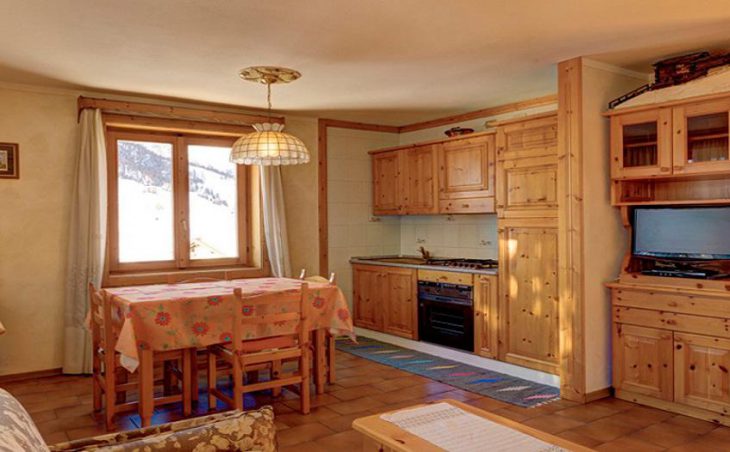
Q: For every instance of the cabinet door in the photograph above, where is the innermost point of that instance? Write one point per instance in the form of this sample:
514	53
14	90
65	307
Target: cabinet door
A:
420	187
485	316
528	187
642	361
527	167
702	372
701	138
466	168
386	176
399	297
641	144
367	297
528	287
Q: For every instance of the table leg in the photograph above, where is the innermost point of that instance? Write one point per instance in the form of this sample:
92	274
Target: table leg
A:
194	373
146	386
320	360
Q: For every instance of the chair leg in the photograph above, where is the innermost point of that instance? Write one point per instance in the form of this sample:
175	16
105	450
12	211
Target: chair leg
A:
237	385
275	375
212	376
331	359
194	383
304	393
122	377
186	383
110	396
169	380
96	372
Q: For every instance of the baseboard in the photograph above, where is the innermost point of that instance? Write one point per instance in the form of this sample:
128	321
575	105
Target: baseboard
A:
463	357
30	375
599	394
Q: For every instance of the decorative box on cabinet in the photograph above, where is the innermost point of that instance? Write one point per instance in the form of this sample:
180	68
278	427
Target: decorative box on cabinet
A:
385	299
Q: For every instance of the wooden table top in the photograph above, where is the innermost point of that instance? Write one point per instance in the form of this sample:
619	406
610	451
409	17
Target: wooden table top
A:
397	439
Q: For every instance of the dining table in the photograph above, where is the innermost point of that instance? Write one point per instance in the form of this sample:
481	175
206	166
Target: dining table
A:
189	316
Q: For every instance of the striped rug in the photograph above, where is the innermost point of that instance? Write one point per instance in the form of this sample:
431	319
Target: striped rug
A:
506	388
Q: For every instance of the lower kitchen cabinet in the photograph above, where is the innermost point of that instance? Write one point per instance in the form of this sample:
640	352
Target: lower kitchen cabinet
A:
485	316
385	299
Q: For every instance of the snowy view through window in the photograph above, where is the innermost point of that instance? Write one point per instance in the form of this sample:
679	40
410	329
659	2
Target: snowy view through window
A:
146	202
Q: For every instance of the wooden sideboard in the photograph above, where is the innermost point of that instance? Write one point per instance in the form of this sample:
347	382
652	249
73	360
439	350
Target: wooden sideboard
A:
450	176
671	345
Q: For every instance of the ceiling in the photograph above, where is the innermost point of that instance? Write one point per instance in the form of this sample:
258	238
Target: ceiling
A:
383	61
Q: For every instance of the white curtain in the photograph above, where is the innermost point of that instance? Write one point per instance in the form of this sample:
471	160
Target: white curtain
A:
86	241
275	221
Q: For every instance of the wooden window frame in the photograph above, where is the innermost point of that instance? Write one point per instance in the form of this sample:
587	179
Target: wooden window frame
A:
181	261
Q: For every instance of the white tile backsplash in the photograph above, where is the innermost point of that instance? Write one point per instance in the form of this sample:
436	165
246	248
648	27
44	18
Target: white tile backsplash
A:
469	236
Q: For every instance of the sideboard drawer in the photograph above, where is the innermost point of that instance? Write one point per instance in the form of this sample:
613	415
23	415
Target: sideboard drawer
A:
671	301
710	326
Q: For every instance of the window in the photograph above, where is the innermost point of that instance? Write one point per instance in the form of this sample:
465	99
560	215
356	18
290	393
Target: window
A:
175	202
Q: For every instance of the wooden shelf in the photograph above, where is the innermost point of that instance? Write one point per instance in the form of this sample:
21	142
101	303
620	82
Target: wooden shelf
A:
674	202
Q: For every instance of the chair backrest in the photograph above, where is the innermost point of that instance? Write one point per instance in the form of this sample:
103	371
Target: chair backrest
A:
317	279
297	316
103	323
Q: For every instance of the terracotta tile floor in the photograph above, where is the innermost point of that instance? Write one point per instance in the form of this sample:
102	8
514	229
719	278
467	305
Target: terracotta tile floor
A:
61	406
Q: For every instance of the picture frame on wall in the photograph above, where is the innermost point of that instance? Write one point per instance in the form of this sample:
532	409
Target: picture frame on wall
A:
9	163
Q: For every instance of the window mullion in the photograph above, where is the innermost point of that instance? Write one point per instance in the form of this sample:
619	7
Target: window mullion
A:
182	215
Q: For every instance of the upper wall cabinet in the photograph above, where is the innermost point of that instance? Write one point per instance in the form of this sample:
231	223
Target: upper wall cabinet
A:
701	137
452	176
466	175
641	144
527	168
387	196
671	153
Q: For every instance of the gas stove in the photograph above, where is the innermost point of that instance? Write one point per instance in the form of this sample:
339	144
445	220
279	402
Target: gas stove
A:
475	264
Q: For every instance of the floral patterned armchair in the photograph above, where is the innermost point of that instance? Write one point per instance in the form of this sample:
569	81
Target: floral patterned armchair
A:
233	430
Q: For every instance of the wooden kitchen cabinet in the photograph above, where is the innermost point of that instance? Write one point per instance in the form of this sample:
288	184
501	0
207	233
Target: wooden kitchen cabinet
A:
387	194
385	299
452	176
527	168
419	182
528	284
485	316
367	297
700	143
401	305
641	144
643	361
466	175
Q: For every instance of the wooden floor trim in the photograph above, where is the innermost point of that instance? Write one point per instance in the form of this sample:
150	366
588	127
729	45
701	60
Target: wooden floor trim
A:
30	375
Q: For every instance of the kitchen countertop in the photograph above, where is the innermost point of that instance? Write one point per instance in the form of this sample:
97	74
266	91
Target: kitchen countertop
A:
383	261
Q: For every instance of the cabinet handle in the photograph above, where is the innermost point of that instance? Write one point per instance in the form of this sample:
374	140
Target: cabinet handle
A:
465	206
664	169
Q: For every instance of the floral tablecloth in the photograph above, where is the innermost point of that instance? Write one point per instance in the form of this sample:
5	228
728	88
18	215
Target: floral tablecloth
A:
175	316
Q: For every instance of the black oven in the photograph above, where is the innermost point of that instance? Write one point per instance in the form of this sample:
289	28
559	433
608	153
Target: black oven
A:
446	314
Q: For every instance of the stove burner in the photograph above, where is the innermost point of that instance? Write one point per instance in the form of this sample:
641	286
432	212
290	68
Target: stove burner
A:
464	263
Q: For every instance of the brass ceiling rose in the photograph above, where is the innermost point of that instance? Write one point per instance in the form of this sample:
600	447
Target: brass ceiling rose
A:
269	75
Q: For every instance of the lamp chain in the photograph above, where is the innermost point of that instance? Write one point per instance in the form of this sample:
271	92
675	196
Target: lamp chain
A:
268	100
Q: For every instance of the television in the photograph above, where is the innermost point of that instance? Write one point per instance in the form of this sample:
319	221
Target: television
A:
682	233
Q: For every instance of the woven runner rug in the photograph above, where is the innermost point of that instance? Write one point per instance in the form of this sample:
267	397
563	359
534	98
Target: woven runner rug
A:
506	388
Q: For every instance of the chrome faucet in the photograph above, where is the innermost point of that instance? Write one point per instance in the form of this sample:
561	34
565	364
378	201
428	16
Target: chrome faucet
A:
424	254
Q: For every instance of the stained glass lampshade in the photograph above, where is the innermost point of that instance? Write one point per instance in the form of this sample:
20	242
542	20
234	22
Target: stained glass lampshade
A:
268	145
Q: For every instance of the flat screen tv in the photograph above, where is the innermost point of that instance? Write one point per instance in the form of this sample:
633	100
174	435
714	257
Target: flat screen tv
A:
687	233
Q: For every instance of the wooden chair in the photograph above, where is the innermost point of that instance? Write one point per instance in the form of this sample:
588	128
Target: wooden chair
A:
253	355
111	382
330	338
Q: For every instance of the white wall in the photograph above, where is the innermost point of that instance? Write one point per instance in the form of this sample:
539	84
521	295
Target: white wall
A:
605	239
353	231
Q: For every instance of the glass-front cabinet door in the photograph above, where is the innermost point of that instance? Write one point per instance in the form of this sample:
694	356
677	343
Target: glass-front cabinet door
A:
701	138
641	144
